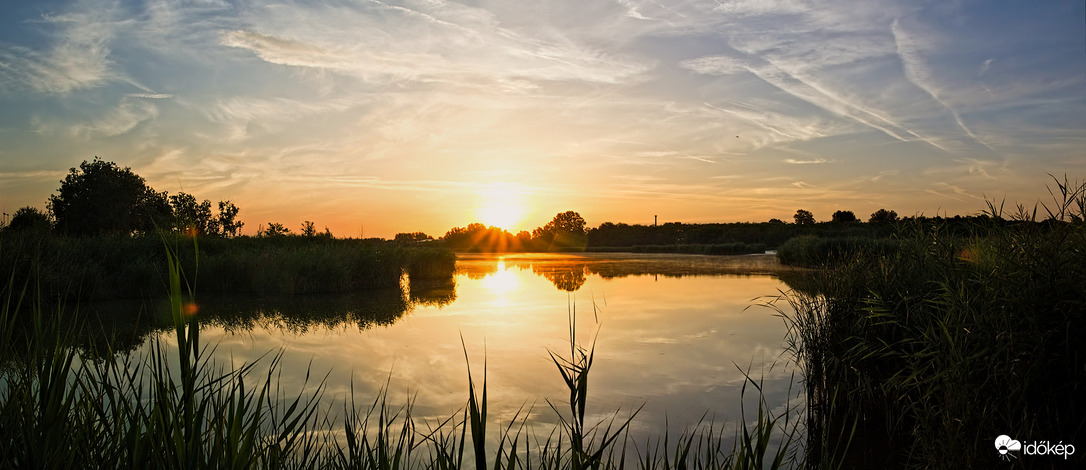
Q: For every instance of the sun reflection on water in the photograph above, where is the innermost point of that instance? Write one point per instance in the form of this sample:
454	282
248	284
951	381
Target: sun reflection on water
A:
503	282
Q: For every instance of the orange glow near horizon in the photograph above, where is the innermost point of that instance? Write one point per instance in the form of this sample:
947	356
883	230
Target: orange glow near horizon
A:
501	205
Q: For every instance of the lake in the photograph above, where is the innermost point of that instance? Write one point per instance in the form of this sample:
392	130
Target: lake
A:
673	333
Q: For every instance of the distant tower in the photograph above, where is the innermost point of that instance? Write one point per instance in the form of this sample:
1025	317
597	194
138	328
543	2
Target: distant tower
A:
654	221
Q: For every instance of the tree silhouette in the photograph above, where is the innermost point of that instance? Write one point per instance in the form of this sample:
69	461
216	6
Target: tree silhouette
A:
804	217
309	229
478	237
193	217
882	216
412	237
29	219
565	231
101	198
228	219
843	217
274	230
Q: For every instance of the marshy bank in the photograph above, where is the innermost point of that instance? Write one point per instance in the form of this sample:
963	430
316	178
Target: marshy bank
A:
113	267
919	351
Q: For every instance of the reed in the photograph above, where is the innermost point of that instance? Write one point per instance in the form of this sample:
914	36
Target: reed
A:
110	267
812	251
59	410
921	356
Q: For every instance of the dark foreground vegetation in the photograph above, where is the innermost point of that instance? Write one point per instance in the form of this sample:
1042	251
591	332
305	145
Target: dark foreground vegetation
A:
176	408
918	351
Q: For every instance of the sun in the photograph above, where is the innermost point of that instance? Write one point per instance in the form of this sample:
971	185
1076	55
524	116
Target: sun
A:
501	205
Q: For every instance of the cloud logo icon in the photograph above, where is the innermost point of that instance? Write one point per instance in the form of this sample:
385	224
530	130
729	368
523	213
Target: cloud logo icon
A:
1005	444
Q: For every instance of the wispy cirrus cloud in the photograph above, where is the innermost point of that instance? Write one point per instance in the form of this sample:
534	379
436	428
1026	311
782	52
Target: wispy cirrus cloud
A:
807	89
128	114
422	41
76	58
917	71
813	161
277	109
743	8
780	126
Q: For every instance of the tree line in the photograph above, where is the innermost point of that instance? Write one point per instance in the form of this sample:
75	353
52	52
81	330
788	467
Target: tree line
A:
101	198
568	231
565	232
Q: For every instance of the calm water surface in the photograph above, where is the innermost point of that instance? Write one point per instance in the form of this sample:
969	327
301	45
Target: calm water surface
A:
673	334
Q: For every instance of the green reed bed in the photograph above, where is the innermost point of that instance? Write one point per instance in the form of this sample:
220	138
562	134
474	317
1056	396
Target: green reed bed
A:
135	267
175	407
813	251
58	410
922	356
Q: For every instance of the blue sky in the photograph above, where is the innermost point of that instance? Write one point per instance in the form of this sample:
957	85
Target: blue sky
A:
421	115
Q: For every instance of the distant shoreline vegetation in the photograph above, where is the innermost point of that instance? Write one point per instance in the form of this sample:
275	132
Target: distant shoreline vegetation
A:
104	232
109	267
738	238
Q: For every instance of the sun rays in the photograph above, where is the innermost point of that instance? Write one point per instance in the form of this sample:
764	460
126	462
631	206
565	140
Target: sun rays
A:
502	205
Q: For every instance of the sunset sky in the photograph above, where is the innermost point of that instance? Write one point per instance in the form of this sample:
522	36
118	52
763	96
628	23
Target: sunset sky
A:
405	116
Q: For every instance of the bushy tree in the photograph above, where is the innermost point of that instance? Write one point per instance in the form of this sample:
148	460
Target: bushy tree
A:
804	217
100	197
565	231
523	239
479	237
193	217
843	217
882	216
309	229
29	219
229	225
274	230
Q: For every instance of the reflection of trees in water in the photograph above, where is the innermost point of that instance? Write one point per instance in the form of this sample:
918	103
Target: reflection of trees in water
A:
570	273
437	293
300	313
479	272
567	278
123	326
